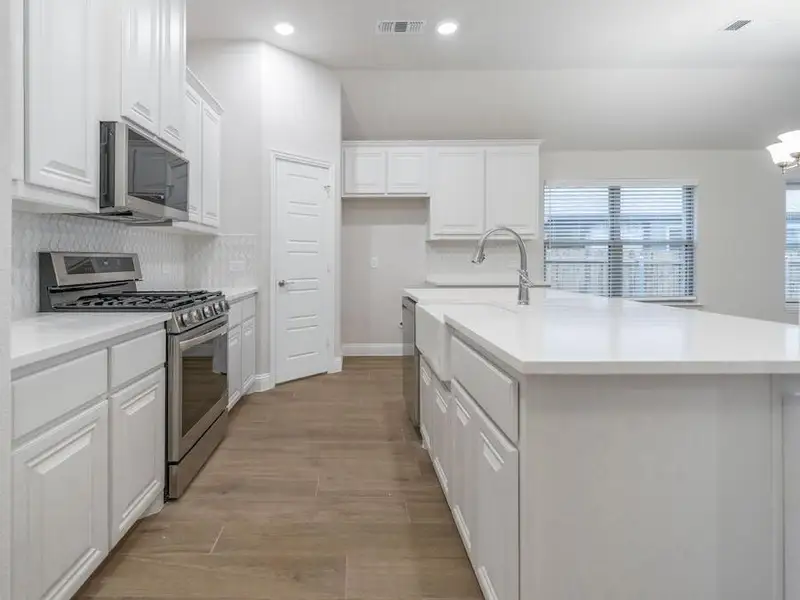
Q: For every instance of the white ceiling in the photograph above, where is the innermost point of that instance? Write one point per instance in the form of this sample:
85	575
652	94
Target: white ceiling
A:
516	34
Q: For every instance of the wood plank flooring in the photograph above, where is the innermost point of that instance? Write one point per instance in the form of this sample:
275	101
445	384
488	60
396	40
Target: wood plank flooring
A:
320	491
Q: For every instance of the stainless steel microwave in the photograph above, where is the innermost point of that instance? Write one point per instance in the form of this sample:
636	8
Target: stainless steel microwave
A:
141	181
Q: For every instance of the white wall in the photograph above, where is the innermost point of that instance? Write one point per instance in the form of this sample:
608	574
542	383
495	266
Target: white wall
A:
740	247
273	100
576	109
393	232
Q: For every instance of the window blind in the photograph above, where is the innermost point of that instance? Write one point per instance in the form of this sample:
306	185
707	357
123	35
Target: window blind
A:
792	259
631	241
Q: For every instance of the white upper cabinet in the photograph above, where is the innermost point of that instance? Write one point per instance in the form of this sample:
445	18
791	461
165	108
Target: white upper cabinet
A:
141	63
211	165
472	185
374	169
194	152
407	171
457	192
365	171
173	72
513	191
55	96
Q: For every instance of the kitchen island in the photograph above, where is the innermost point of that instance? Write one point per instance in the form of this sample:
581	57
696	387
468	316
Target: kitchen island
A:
595	448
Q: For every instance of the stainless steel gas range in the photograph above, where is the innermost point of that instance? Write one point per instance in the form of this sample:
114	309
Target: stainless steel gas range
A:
197	345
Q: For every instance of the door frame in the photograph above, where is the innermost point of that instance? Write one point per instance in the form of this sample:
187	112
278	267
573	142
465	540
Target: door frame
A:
328	249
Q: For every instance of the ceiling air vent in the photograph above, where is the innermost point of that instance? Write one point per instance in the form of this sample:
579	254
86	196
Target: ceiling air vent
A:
737	25
400	27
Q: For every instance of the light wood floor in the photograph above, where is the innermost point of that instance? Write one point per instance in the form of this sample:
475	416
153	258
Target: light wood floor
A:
320	491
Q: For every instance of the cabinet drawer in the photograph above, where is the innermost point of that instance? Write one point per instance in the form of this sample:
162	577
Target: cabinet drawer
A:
248	308
493	390
235	314
136	357
46	396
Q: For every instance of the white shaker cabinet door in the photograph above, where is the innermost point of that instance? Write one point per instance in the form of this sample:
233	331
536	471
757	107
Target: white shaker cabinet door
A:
60	507
497	553
426	414
442	437
513	190
234	365
248	354
457	192
141	63
407	171
194	152
211	159
173	72
365	171
137	451
61	138
463	478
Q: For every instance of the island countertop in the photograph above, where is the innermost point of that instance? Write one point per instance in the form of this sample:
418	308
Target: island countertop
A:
562	333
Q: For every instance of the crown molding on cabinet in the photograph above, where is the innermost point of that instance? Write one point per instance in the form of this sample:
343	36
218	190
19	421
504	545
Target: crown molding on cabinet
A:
204	92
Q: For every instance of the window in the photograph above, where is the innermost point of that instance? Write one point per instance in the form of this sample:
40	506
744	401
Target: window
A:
631	241
792	263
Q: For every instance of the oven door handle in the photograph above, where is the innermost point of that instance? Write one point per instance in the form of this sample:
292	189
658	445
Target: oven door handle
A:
203	338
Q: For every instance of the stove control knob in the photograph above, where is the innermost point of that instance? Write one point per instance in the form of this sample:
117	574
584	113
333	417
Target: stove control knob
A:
196	316
219	307
226	304
185	318
207	311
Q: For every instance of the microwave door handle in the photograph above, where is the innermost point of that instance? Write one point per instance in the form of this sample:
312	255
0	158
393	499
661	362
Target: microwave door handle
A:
188	344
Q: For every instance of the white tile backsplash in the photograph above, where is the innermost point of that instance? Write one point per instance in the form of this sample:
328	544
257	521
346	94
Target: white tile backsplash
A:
224	261
169	261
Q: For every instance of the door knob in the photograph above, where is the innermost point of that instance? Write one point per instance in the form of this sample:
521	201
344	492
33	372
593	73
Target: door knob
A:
282	283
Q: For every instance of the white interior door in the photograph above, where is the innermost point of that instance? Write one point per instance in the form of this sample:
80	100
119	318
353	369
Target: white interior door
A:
302	199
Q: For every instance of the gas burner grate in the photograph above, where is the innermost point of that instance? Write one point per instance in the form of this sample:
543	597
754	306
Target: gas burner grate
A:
154	301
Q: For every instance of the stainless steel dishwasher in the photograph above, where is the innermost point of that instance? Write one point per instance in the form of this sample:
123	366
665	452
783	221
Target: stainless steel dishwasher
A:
410	361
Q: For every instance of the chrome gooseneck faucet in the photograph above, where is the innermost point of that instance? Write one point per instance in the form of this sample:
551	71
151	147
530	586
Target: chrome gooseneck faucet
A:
524	281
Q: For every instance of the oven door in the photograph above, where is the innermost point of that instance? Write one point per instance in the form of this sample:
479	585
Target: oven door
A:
198	385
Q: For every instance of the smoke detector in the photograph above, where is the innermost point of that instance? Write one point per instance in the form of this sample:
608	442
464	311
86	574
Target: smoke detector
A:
399	27
737	25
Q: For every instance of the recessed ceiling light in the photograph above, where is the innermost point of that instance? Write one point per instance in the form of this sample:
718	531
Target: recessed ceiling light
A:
447	27
284	28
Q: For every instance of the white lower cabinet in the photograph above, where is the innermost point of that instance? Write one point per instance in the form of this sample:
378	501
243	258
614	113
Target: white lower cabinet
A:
441	439
478	468
234	365
497	491
60	507
426	413
248	354
137	451
464	497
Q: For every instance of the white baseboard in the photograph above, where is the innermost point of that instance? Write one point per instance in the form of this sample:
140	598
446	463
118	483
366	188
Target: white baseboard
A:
372	350
336	366
263	383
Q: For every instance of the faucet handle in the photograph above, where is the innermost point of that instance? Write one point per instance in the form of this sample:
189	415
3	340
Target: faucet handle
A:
524	279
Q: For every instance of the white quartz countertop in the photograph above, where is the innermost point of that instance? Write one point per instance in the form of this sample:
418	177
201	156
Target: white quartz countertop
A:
49	335
238	293
565	333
